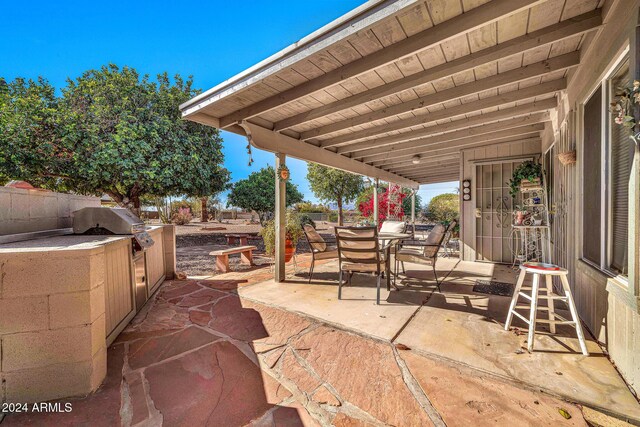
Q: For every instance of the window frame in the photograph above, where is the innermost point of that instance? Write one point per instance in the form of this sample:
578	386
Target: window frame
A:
606	217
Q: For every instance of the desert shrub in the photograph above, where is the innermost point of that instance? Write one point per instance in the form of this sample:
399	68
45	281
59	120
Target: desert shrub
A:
182	216
333	216
307	207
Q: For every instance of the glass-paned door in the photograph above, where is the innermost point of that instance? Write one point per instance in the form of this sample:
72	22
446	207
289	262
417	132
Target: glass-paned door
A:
494	207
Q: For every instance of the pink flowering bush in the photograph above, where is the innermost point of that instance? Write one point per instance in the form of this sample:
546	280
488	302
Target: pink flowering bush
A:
366	208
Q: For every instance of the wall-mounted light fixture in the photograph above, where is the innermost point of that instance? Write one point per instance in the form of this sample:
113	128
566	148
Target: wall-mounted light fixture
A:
466	190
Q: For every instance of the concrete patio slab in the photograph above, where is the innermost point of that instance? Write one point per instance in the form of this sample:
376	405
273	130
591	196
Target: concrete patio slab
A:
202	353
357	310
468	328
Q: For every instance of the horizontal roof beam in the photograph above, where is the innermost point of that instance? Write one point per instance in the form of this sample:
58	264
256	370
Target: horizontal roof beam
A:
448	113
449	29
461	142
554	33
450	168
496	81
477	131
275	142
450	172
438	179
425	164
436	153
403	164
515	115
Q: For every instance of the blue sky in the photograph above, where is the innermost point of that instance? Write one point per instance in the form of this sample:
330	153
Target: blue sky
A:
211	40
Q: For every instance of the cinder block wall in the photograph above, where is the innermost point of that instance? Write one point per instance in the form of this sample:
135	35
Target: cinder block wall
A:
52	326
23	211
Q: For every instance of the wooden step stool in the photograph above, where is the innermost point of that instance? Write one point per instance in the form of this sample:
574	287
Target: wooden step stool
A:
548	271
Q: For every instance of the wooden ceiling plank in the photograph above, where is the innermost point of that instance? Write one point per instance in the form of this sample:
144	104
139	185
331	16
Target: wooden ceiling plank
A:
561	31
455	26
518	75
275	142
508	133
481	119
450	136
445	172
437	153
425	166
495	101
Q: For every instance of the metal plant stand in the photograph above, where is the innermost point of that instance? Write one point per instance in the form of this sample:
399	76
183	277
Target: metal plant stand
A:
532	237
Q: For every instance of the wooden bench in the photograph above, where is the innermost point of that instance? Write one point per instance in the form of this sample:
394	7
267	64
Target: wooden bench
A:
222	257
233	238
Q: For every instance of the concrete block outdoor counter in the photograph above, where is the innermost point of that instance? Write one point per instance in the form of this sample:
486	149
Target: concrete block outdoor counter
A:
62	299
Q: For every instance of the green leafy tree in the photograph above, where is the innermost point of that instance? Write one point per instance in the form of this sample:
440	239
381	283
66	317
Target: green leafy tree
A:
334	185
112	131
257	193
443	208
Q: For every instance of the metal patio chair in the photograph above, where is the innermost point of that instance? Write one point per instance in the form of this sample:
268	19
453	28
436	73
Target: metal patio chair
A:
424	252
359	252
319	248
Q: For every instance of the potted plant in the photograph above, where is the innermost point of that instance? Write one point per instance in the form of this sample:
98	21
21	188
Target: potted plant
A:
294	232
528	171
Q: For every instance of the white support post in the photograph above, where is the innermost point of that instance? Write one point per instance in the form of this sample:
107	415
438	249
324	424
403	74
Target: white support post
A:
280	220
375	202
413	211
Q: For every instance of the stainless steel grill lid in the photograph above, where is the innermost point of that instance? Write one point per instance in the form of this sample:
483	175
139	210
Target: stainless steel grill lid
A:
113	220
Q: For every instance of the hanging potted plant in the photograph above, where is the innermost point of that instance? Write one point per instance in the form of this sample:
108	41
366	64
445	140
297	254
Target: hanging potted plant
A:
625	109
527	173
293	234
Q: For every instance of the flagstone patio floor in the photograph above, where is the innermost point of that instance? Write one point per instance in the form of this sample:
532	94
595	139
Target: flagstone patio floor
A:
238	349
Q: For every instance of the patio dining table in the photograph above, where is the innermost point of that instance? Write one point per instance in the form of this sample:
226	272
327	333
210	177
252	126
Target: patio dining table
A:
390	240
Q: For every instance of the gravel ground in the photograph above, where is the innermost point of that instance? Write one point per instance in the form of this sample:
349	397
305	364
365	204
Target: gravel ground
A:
194	241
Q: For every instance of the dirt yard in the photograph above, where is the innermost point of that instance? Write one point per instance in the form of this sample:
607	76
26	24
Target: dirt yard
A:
196	240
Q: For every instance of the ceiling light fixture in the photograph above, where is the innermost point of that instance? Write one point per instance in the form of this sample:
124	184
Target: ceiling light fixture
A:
415	160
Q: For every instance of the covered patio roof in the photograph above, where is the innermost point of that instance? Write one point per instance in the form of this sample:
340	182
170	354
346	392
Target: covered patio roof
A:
393	83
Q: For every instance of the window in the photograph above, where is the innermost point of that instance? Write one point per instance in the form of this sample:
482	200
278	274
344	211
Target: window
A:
621	154
592	175
607	157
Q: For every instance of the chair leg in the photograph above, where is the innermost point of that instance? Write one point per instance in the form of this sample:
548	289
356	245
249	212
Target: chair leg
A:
403	270
435	274
313	261
378	292
395	272
340	285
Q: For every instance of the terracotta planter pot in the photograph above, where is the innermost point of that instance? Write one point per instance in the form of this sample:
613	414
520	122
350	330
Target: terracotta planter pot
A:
289	250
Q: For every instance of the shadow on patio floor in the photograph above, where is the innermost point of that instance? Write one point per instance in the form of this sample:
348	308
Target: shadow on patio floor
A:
188	358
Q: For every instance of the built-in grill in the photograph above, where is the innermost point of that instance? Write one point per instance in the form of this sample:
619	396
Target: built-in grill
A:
99	220
119	221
